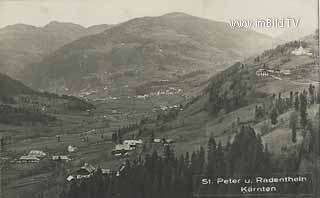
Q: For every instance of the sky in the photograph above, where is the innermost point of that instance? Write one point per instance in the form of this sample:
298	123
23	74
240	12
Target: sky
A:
92	12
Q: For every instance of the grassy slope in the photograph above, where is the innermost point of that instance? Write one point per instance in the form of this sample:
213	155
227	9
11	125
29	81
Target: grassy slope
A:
199	124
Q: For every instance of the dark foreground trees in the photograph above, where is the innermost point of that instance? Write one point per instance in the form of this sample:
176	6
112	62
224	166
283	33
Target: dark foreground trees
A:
171	176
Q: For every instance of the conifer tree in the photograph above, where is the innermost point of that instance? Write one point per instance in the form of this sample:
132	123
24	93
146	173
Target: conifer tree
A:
293	125
296	101
220	164
212	149
303	109
274	116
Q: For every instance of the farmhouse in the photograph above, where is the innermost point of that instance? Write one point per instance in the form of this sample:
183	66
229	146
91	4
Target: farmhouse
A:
37	153
70	178
157	140
163	108
170	141
85	171
301	51
125	147
262	72
60	157
72	149
132	143
105	171
122	149
29	159
270	70
143	96
285	72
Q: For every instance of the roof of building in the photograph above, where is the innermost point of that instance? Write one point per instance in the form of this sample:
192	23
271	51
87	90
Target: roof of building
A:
72	148
28	157
132	142
105	171
88	167
70	178
37	153
122	147
62	157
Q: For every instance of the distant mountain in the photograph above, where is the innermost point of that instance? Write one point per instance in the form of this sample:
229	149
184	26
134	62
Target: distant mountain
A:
145	49
312	38
22	44
95	29
291	35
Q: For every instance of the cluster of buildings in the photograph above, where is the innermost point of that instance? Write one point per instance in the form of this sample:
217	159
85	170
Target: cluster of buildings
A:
269	72
124	149
63	158
126	146
301	51
88	170
297	52
163	141
168	92
165	108
35	156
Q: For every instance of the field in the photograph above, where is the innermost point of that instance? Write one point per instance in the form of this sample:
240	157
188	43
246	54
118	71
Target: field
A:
89	132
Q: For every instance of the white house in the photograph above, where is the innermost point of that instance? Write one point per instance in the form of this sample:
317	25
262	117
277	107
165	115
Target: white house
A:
170	141
60	157
270	71
163	107
29	159
301	51
125	147
143	96
105	171
122	150
157	140
70	178
285	72
262	72
37	153
85	171
132	143
72	149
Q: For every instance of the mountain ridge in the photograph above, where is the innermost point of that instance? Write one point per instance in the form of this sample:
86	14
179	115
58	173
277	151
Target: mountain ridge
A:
22	44
150	47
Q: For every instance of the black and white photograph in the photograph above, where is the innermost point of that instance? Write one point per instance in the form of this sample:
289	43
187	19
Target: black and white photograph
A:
159	99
